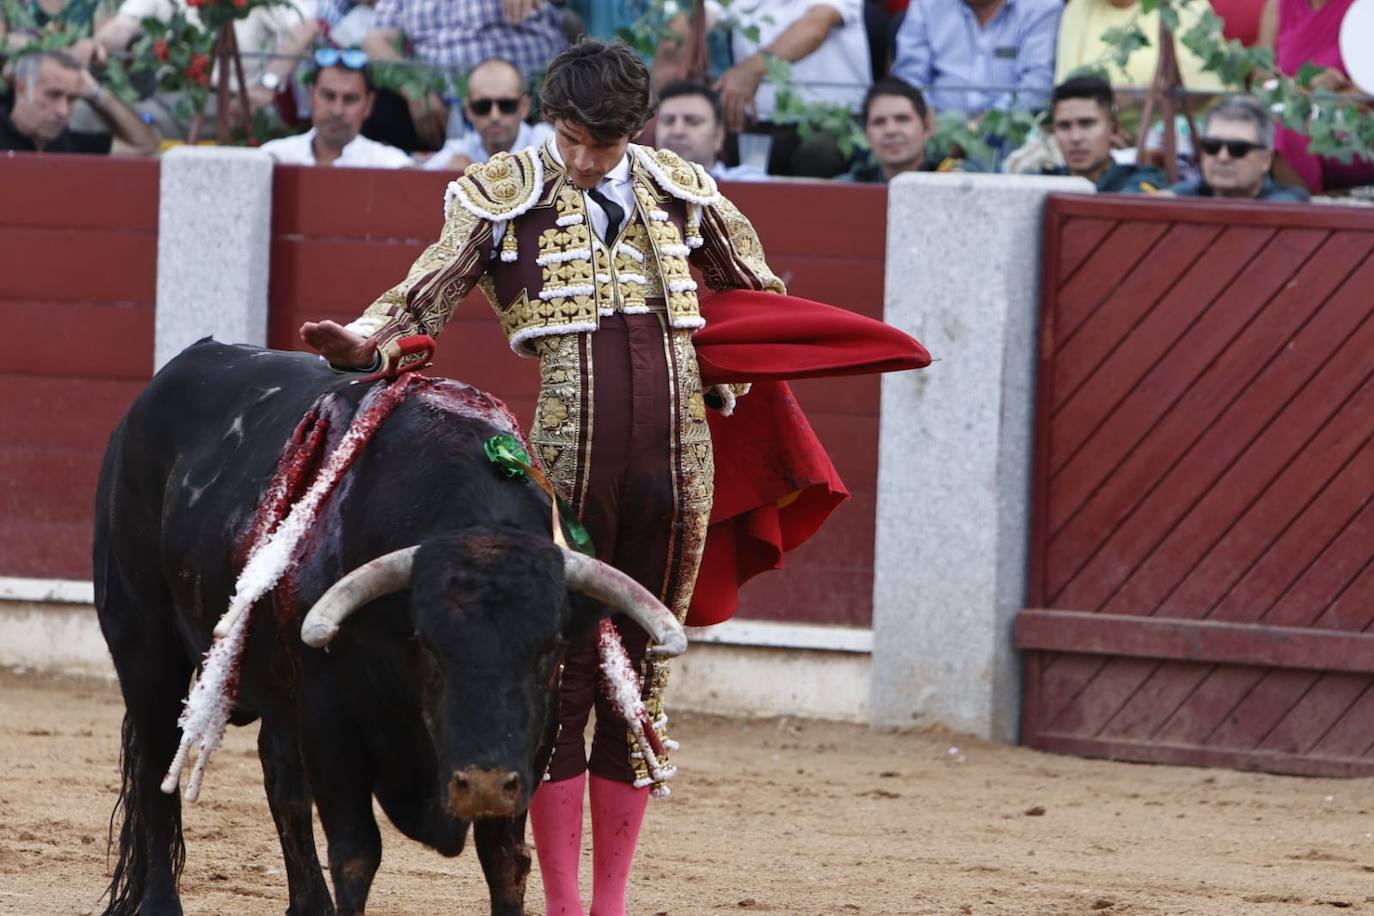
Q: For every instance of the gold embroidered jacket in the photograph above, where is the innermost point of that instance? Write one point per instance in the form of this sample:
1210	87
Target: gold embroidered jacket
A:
548	274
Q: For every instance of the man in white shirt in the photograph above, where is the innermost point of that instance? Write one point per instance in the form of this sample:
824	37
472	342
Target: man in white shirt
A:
497	107
823	41
341	96
689	124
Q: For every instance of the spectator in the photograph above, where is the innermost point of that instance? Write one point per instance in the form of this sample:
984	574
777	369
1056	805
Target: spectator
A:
1237	151
827	47
347	22
341	96
455	36
270	38
896	122
1308	31
689	124
1241	19
46	85
603	19
1081	45
497	106
1000	52
1083	116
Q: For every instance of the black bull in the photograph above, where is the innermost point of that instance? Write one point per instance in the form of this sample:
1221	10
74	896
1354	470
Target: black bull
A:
437	699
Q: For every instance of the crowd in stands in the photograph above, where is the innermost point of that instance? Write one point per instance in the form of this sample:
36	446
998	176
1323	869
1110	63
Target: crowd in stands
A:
898	67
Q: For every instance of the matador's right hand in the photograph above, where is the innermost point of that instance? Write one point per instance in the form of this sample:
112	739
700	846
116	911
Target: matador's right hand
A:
339	345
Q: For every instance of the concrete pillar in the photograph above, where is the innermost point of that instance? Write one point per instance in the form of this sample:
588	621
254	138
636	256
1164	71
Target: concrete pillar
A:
214	230
963	277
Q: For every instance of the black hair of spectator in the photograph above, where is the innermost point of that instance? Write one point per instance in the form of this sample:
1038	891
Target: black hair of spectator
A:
26	66
678	88
1087	86
890	85
1247	110
603	86
365	70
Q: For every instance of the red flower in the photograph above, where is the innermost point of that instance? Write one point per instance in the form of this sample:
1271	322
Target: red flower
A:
240	4
195	2
160	49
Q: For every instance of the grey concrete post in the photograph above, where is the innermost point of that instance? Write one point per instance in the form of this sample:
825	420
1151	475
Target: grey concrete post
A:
214	227
963	275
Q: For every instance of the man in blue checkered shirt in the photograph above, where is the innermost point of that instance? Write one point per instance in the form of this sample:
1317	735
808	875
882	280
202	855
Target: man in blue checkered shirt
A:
457	35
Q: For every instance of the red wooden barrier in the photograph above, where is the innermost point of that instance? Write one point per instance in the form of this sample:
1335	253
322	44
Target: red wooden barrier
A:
78	269
1203	543
341	237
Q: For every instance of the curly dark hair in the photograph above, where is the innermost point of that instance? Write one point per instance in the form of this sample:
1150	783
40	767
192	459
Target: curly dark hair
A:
602	85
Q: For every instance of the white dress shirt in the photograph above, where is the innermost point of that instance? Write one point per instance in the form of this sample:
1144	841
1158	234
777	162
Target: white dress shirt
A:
359	153
470	145
837	72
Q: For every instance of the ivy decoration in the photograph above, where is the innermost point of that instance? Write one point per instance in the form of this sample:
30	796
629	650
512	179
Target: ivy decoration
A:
1338	126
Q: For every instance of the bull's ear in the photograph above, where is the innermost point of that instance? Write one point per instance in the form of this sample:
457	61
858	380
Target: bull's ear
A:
586	614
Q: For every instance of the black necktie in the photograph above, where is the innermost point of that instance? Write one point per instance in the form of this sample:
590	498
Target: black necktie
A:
615	214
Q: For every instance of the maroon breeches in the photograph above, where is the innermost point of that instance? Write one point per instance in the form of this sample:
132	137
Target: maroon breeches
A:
628	509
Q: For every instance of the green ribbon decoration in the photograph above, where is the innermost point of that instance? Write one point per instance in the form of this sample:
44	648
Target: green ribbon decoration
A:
508	454
510	457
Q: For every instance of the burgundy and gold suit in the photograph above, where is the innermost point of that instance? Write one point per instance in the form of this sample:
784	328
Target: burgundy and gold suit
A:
620	424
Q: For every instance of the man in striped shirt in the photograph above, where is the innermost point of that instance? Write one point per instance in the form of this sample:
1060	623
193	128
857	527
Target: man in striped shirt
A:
457	35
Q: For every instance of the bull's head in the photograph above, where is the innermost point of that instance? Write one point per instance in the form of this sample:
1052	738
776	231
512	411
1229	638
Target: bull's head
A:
493	618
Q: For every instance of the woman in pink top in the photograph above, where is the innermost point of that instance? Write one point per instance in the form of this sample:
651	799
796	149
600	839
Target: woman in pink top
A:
1309	30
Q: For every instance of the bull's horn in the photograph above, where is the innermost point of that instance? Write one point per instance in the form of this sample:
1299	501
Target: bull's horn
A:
375	578
609	585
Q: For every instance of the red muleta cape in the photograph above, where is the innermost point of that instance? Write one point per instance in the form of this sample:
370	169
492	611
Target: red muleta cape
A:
775	484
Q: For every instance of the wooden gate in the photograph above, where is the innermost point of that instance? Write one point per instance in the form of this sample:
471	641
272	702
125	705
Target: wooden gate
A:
1201	583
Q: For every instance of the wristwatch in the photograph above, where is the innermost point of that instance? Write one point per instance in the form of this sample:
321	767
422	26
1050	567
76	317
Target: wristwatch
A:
270	81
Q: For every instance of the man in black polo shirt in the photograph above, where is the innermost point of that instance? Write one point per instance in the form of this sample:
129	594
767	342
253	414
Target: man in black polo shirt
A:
46	85
1083	114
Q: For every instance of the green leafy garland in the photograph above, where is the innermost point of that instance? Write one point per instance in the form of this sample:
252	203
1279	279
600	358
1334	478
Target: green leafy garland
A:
1339	127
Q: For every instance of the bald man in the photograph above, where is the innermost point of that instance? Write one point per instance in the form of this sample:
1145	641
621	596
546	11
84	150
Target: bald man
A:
496	107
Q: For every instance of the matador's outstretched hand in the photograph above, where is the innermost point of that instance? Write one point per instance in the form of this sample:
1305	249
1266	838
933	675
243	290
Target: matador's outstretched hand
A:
339	345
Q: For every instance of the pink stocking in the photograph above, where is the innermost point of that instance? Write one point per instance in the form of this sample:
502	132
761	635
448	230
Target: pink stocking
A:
556	821
617	813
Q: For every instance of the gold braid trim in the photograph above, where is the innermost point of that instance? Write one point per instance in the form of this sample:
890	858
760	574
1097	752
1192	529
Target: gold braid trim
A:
731	255
500	189
680	178
425	300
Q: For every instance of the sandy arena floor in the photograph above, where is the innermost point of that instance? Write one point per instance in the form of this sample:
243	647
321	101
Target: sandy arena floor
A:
769	816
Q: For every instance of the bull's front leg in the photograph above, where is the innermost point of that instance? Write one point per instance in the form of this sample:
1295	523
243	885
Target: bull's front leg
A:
336	761
288	796
505	862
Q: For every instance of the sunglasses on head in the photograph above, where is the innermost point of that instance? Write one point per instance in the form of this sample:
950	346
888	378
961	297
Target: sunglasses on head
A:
482	107
1238	149
351	58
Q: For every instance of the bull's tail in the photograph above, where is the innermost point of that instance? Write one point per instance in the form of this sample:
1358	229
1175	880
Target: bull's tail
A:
129	882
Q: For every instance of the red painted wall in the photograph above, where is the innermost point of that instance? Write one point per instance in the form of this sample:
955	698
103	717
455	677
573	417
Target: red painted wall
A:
78	271
826	241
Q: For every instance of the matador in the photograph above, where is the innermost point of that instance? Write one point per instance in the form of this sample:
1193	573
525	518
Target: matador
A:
585	258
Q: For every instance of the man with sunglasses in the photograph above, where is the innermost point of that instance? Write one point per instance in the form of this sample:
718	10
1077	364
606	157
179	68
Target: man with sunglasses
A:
583	247
497	107
1237	151
341	97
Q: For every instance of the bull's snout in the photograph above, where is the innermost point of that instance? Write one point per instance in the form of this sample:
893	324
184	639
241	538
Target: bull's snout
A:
475	792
